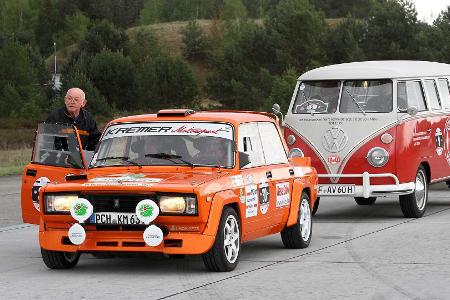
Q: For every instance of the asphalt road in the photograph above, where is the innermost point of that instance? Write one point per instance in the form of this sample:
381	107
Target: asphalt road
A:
356	253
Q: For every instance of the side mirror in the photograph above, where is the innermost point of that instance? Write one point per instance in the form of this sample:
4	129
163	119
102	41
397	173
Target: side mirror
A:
412	110
276	109
244	159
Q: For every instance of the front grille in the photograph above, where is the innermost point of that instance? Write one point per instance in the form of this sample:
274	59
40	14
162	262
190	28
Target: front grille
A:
116	203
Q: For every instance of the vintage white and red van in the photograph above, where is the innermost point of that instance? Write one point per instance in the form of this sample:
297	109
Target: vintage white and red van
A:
373	129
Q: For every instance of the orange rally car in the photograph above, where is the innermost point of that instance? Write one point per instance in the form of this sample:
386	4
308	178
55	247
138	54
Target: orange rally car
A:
176	182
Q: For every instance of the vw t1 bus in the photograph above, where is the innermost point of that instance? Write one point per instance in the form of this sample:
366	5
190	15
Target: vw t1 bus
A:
373	129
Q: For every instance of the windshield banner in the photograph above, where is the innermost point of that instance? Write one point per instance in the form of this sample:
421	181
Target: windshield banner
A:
183	128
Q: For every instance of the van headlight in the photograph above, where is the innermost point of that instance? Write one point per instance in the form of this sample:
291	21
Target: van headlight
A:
377	157
55	203
295	152
183	204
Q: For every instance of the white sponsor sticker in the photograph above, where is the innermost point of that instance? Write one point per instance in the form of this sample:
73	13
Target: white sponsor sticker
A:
127	178
159	128
81	210
439	142
38	184
147	211
77	234
264	196
298	172
237	180
242	195
283	194
248	179
153	236
251	200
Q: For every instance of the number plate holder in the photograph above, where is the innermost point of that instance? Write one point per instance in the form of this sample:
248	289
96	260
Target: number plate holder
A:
114	218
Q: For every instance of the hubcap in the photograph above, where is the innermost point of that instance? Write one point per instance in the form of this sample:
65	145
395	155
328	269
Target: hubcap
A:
305	219
231	239
70	256
421	190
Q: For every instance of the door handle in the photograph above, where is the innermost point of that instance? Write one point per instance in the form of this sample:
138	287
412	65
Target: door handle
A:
269	174
31	172
291	172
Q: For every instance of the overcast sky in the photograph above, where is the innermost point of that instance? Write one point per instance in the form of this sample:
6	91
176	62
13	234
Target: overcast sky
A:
428	10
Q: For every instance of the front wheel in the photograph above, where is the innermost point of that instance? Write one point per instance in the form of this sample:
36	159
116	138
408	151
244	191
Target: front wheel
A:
298	236
224	254
59	259
415	204
365	201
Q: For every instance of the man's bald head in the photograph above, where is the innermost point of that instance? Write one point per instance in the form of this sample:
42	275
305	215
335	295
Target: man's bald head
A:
75	100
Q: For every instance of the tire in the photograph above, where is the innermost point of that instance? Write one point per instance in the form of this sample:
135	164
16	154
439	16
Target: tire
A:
224	254
316	206
59	259
415	204
298	236
365	201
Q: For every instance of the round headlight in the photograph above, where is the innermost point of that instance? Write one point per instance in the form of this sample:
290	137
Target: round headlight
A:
377	157
291	140
295	152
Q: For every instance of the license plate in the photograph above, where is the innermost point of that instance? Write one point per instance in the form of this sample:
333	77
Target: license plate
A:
336	189
112	218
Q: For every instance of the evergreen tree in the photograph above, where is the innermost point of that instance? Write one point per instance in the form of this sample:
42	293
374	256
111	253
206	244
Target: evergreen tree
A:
104	35
195	44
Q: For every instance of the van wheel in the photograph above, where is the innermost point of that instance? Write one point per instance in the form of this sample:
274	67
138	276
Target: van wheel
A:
365	201
224	254
316	206
415	204
59	259
298	236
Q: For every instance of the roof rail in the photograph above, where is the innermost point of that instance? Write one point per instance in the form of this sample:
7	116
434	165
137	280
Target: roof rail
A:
175	112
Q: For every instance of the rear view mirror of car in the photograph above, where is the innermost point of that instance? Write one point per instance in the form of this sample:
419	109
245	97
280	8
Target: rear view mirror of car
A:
244	159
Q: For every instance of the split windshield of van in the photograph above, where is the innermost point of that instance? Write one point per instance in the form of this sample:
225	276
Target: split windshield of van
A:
317	97
366	96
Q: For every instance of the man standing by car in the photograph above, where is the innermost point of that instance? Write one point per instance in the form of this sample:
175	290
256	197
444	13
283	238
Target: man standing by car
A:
75	114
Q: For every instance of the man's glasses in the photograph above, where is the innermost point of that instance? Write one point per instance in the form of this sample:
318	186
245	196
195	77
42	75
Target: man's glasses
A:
74	99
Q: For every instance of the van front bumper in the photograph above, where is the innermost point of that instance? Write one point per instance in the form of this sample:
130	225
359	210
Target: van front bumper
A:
365	190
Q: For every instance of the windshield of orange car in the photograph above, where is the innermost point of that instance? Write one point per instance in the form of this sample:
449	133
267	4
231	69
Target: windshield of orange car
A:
166	143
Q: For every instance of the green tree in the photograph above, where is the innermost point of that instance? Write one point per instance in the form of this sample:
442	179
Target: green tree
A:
297	30
282	89
48	24
392	31
164	82
233	9
195	43
18	20
104	35
113	75
441	40
144	46
76	29
344	42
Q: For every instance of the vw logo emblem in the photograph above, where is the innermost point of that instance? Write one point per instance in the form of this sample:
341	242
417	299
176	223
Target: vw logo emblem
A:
334	140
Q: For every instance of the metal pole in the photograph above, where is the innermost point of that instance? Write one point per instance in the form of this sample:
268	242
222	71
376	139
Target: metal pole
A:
54	47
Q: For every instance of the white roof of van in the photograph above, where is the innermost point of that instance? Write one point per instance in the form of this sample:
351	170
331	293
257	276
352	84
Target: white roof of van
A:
378	70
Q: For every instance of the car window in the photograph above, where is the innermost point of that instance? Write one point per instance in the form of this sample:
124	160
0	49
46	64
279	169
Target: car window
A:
272	146
318	97
366	96
444	89
410	93
250	143
166	143
433	97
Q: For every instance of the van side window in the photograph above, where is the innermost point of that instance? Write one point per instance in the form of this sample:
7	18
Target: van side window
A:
250	143
444	88
434	100
410	93
272	145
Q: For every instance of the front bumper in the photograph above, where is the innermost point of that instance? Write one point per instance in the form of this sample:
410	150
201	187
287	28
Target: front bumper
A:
367	190
126	241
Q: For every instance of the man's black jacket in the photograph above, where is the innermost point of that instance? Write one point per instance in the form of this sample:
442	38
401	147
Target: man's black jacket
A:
85	123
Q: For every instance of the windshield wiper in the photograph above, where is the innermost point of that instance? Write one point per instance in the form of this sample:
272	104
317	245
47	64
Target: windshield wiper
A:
123	158
356	102
170	157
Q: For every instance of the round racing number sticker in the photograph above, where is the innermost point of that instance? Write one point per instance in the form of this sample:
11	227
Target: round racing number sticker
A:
81	210
40	182
147	211
77	234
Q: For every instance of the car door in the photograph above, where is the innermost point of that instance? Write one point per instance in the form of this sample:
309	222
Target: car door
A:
56	153
279	174
255	216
